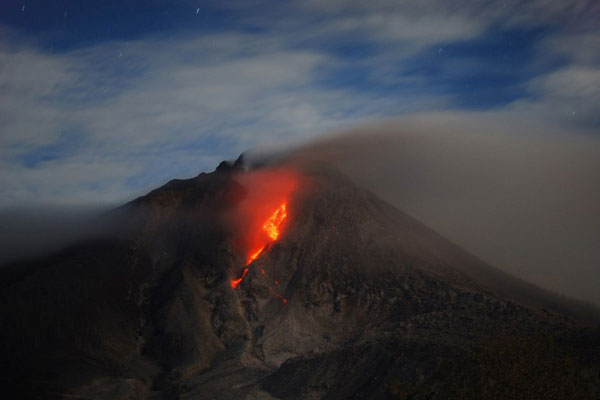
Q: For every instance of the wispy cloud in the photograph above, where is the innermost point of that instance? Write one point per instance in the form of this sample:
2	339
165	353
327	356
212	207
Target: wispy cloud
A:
153	101
108	120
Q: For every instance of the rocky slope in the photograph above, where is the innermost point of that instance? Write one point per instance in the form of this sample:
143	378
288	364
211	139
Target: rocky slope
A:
376	306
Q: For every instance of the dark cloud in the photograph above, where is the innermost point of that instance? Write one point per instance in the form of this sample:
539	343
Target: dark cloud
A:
524	197
28	232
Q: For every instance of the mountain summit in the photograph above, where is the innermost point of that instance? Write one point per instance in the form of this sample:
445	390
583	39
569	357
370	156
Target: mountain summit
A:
283	282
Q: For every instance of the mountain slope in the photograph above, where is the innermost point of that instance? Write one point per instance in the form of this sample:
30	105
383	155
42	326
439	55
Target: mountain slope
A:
353	300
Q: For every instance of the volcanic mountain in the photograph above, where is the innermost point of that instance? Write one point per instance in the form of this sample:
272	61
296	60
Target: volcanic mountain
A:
283	282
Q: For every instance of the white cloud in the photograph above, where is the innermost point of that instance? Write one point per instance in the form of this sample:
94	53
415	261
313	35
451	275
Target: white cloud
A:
175	107
26	77
136	105
569	97
571	84
415	31
582	48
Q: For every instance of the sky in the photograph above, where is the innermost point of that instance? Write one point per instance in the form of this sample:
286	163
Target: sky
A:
102	101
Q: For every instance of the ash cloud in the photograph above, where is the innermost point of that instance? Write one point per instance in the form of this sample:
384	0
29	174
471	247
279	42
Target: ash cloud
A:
521	195
30	232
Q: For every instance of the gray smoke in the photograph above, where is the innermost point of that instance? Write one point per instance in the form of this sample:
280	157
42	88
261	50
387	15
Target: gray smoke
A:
522	196
30	232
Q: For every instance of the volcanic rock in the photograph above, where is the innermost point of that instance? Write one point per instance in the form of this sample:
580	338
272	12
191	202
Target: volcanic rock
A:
354	300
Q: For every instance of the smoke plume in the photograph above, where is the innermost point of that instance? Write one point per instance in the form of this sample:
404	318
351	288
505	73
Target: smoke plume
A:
522	196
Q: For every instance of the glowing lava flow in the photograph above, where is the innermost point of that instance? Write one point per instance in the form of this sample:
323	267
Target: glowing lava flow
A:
254	255
271	226
235	282
272	229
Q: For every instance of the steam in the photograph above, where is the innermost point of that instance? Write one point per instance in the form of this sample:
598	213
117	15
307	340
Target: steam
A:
523	196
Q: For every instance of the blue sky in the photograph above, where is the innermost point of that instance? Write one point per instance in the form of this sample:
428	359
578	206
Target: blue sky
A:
102	101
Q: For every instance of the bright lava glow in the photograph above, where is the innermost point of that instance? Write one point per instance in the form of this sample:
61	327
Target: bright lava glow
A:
235	282
272	229
254	255
271	226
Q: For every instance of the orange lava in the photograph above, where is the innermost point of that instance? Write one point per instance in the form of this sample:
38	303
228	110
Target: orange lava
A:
254	255
261	215
236	282
272	229
271	226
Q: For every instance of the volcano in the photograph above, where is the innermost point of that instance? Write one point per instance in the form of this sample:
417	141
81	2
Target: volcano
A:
283	281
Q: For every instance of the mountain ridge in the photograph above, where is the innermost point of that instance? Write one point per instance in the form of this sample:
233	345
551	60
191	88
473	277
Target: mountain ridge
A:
152	314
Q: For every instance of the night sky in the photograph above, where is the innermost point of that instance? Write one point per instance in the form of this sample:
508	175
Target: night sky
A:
101	101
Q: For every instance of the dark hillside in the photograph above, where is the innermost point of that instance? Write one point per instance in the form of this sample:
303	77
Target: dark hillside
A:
354	299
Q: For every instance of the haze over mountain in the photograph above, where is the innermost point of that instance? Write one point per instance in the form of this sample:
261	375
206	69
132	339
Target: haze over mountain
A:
521	194
283	281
